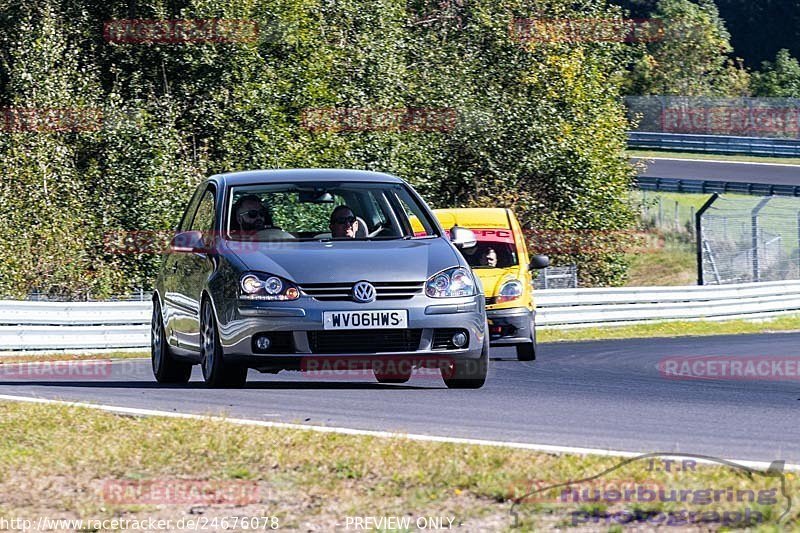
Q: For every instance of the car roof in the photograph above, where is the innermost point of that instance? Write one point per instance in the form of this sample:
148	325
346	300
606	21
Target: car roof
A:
249	177
479	217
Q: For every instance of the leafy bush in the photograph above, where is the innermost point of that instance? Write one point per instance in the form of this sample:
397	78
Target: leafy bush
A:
539	127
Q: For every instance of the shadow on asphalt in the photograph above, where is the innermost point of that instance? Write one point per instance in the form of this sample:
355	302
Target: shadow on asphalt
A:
200	385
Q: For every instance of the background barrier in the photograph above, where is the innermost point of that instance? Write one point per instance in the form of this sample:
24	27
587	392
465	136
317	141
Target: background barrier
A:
26	325
718	144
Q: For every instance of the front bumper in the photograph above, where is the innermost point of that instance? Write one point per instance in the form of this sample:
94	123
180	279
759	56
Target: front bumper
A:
301	323
510	326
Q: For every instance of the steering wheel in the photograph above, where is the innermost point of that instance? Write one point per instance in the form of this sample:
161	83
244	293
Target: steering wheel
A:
379	228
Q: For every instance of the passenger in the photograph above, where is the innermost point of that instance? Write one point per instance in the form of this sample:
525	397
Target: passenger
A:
489	258
250	215
344	224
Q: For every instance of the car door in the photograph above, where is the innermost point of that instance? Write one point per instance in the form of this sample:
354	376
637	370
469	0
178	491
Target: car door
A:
174	309
191	270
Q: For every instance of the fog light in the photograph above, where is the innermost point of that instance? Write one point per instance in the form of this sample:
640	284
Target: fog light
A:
460	339
263	343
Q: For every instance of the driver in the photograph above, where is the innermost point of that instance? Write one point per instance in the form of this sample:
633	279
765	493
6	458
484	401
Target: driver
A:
489	258
250	214
344	223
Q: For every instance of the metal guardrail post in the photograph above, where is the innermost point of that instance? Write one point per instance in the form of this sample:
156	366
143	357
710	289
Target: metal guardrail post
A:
698	231
754	235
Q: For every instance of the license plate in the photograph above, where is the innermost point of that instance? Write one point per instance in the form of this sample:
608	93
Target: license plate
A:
395	319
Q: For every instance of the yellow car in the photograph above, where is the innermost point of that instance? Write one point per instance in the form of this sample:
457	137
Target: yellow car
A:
501	261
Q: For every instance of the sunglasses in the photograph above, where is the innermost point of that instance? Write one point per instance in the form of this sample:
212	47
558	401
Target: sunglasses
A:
253	213
344	220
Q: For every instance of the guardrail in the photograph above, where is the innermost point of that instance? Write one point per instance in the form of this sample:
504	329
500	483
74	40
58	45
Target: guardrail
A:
570	308
708	186
718	144
28	325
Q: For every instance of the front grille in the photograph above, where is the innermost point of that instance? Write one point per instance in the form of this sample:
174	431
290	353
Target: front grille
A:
366	341
443	338
342	292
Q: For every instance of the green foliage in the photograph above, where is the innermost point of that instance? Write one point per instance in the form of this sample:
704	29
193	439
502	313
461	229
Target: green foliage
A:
691	58
779	78
539	125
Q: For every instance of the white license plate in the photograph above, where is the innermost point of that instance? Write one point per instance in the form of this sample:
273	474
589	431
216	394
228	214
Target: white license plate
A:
395	319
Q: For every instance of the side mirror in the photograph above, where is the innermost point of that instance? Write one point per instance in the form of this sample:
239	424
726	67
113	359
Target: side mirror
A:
187	242
539	261
462	237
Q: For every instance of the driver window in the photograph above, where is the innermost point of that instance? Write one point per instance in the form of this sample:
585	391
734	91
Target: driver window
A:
204	217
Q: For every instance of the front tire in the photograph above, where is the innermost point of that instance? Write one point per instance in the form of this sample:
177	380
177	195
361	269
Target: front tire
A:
165	368
216	373
468	373
527	351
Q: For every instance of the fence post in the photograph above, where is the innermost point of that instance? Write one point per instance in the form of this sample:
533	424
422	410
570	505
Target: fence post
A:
677	215
698	230
754	235
660	213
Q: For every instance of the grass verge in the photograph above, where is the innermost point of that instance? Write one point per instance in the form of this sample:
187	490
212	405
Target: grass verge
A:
62	356
716	157
678	328
313	481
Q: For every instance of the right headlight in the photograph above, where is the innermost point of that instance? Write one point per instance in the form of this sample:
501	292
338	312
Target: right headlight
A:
261	286
450	283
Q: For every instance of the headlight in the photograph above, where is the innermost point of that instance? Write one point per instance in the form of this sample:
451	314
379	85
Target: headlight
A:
511	290
257	286
450	283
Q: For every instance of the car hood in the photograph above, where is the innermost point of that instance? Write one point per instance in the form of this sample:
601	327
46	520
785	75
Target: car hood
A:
349	261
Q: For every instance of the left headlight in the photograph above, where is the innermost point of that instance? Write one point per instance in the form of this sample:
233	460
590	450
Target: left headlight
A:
450	283
260	286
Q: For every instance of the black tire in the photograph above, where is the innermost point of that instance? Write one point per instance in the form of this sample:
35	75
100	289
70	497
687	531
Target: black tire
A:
216	373
165	368
469	373
527	351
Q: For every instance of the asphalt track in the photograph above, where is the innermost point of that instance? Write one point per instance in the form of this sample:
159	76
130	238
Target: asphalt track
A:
742	172
599	394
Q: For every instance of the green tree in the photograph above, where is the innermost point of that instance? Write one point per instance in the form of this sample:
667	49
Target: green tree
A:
691	56
780	78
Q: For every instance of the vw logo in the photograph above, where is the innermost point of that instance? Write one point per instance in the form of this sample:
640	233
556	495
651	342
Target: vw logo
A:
363	292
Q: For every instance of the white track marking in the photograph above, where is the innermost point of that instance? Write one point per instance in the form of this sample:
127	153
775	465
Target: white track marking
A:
715	161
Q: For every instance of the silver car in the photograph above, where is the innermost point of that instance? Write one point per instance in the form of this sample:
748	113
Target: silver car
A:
293	269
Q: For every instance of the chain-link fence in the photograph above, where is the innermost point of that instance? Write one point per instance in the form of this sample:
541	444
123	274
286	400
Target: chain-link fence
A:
747	239
656	211
745	116
564	277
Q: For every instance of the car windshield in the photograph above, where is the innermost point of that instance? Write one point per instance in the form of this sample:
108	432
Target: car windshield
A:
495	249
309	211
